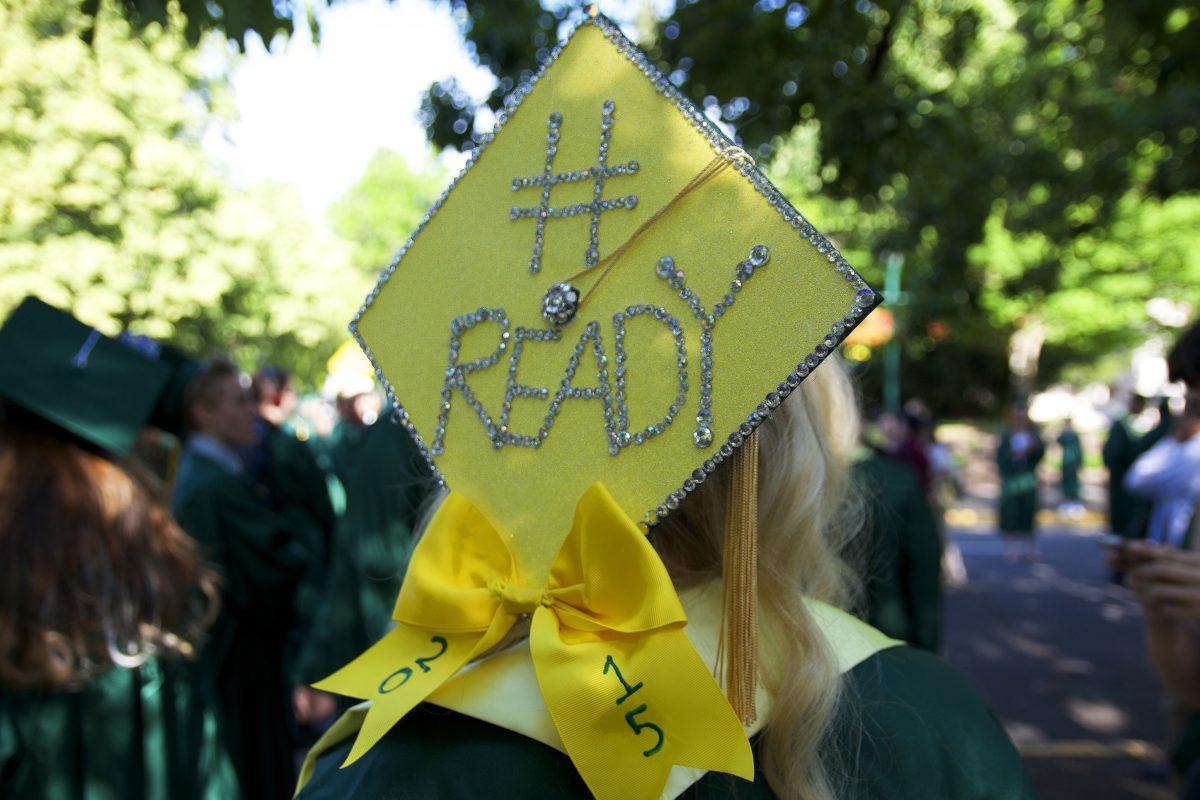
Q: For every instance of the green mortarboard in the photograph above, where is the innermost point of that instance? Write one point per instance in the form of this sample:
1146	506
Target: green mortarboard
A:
58	368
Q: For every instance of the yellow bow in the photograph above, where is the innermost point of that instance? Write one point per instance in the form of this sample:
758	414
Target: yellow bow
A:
628	693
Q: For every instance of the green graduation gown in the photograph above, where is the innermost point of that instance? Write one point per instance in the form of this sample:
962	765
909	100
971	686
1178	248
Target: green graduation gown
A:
1120	450
1018	484
343	446
1072	461
261	563
1127	515
904	557
910	729
144	733
385	493
297	490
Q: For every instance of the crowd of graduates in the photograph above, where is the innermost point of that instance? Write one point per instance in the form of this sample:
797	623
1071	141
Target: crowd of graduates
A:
312	536
290	534
1022	448
183	553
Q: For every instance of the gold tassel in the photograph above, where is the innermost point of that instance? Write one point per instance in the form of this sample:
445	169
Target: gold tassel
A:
740	621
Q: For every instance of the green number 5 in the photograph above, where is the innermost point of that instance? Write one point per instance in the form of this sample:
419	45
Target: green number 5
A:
638	727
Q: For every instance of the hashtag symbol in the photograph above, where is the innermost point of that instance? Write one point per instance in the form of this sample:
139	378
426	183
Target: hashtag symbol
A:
597	173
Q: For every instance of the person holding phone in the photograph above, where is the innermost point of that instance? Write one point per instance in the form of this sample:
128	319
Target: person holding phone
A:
1167	578
1168	475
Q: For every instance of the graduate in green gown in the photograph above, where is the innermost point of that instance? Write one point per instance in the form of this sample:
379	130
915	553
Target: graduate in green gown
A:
358	407
263	559
1127	514
904	727
386	492
1017	457
288	477
1072	461
636	582
903	551
104	601
1120	451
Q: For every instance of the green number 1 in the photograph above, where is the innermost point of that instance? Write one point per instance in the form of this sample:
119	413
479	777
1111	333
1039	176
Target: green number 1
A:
629	690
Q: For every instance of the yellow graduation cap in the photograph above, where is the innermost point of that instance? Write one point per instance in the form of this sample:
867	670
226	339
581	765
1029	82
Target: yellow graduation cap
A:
600	309
349	358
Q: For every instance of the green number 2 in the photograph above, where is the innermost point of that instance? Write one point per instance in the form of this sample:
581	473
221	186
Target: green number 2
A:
388	684
638	727
421	662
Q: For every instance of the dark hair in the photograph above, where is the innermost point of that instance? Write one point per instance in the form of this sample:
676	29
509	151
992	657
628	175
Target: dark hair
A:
1183	362
93	570
205	387
269	373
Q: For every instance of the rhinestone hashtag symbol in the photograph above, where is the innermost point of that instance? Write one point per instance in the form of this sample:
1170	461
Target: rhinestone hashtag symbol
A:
598	173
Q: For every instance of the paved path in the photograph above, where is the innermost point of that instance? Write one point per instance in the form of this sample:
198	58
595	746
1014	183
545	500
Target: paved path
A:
1057	652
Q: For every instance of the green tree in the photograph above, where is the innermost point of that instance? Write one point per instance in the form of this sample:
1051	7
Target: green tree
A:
235	19
1102	283
110	207
926	126
383	208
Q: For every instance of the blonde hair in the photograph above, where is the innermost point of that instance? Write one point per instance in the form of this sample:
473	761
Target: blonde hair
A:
808	518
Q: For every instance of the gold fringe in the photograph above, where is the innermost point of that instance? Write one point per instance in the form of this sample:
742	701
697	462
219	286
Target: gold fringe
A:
739	624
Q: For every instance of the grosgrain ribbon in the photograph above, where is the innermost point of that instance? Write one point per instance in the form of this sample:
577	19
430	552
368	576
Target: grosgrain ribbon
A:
628	693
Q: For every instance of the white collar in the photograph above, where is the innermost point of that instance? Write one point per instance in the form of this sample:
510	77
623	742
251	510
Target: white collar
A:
503	689
217	452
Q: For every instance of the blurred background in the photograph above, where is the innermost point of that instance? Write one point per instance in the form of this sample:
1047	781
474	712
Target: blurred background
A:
1019	179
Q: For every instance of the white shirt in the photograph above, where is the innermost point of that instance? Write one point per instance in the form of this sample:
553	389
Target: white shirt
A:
1168	474
216	451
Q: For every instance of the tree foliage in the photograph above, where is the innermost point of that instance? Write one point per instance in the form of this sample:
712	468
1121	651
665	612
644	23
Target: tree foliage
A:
382	209
110	207
1033	162
995	144
234	19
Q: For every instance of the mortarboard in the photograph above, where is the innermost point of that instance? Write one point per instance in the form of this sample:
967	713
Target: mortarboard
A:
599	311
169	414
100	389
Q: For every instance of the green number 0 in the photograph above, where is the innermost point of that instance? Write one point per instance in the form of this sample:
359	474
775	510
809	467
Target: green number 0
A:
383	685
638	727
